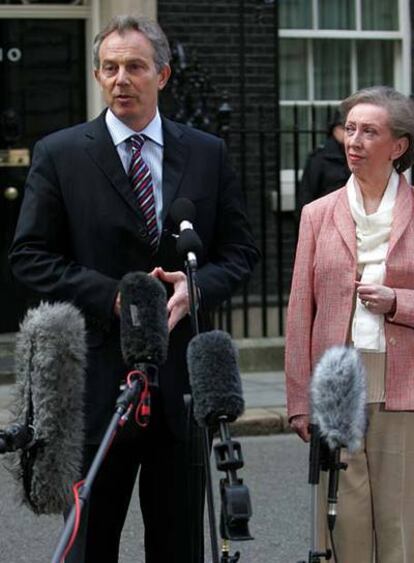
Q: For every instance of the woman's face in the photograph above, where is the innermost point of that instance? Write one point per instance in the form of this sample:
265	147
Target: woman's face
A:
369	143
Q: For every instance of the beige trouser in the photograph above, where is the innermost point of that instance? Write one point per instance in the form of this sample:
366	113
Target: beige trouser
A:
375	511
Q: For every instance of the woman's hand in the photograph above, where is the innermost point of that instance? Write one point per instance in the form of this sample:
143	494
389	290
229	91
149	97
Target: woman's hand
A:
300	424
378	299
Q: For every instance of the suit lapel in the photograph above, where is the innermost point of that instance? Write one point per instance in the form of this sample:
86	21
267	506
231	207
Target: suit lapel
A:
345	223
402	214
175	158
101	149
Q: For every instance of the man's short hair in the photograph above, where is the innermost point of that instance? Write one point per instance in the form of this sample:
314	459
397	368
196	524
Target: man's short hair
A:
147	27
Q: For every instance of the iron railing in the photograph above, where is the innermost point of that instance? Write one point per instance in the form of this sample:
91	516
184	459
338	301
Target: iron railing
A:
258	309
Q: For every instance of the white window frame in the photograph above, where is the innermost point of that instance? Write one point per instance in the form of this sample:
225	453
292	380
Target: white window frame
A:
402	52
402	67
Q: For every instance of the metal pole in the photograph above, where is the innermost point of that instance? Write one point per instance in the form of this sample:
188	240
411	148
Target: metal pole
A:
242	110
263	221
279	230
191	270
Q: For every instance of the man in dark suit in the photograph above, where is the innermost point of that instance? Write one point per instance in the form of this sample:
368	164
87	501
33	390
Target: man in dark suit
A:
326	169
82	228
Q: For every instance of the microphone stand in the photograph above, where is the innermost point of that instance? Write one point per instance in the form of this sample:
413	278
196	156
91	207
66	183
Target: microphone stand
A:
191	270
235	499
318	460
125	403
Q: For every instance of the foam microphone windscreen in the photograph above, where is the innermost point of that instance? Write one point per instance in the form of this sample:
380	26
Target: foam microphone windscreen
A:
212	361
338	398
50	381
189	241
183	209
144	323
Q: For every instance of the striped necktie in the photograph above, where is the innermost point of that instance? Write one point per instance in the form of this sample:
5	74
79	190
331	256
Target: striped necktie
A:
141	182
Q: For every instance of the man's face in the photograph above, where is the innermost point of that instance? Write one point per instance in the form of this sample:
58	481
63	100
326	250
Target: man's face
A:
128	77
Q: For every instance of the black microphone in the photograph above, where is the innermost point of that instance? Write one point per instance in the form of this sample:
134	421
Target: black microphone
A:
338	405
16	437
49	406
144	323
189	245
214	376
218	399
183	213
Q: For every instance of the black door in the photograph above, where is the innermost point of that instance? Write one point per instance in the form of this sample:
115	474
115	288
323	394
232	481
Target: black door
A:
42	89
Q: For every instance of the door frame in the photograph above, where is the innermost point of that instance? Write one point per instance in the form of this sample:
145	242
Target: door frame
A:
91	13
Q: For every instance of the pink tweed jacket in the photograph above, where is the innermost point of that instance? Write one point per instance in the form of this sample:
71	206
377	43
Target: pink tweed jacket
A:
323	293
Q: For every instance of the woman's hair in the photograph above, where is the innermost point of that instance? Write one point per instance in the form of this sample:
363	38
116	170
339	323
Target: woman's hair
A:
149	28
400	110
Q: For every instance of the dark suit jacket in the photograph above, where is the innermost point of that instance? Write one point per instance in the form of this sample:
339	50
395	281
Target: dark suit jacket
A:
80	231
326	170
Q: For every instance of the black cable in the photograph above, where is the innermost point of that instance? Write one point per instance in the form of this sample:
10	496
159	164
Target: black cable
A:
335	558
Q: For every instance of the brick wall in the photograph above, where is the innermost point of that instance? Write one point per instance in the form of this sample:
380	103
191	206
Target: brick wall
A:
211	30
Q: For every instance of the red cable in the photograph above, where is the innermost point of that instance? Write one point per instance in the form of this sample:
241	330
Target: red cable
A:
75	530
142	414
143	410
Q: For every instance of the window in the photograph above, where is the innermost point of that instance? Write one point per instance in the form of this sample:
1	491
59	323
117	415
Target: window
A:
331	48
295	14
332	68
375	62
379	15
339	14
293	83
336	14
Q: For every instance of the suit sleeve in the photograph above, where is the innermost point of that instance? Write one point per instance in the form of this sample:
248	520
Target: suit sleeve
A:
301	311
404	312
232	254
40	255
309	186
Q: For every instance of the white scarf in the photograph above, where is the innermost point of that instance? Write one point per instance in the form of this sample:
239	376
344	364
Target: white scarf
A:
372	234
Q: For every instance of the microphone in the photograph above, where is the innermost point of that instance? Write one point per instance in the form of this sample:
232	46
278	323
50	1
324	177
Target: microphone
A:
144	343
144	324
338	398
189	245
218	399
49	406
16	437
183	213
214	376
338	405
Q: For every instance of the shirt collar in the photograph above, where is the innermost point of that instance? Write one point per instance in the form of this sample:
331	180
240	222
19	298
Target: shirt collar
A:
121	132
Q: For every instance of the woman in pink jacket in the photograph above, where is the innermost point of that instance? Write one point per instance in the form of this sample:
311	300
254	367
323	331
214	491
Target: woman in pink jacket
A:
353	283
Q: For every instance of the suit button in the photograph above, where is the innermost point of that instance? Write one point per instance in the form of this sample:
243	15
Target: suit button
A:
142	231
392	341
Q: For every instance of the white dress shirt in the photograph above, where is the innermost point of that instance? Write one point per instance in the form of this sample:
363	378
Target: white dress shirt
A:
152	151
